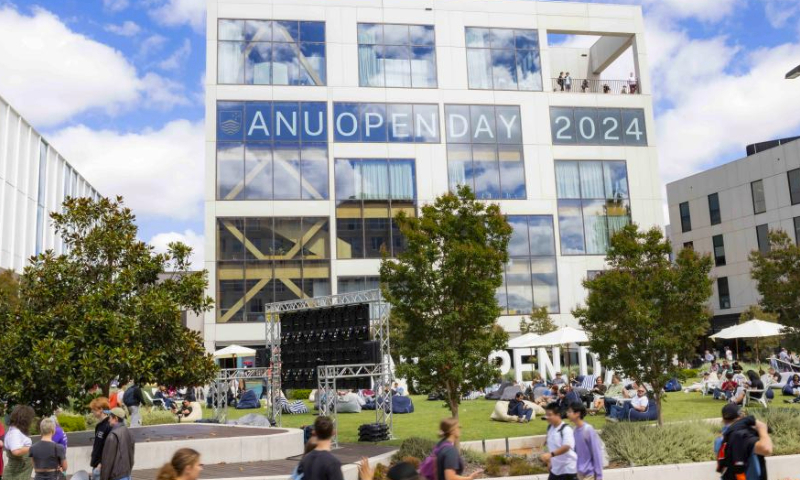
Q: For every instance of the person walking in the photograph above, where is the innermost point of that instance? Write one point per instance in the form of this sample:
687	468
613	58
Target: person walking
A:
49	458
568	82
185	465
116	462
449	464
320	464
100	410
17	444
588	445
134	399
742	446
560	458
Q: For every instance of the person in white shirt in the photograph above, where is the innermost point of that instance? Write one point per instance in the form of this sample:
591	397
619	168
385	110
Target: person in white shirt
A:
728	354
638	403
560	458
632	83
709	357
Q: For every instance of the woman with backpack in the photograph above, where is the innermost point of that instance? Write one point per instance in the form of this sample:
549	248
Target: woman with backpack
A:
445	462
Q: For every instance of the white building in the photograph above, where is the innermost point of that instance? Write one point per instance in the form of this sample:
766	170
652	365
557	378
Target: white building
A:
728	211
327	117
34	181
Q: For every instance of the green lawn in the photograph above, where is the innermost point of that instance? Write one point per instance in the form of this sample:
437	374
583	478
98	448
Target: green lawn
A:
475	423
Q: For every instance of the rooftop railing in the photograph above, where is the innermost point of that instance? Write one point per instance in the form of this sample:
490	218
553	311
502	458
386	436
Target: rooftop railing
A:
585	85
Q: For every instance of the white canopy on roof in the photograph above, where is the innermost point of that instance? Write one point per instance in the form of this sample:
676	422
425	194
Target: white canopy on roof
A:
234	350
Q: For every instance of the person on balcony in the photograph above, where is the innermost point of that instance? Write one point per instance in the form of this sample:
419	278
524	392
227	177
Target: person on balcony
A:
585	85
568	82
560	81
632	83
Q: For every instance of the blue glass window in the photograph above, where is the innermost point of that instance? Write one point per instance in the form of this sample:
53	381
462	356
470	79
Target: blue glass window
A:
503	59
265	52
382	122
392	55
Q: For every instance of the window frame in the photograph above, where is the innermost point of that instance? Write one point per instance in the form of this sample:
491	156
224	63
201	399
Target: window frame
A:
714	214
763	196
719	260
794	195
727	297
490	49
410	46
686	220
762	238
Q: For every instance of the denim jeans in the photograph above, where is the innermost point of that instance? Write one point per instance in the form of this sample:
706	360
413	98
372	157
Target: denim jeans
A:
136	418
519	411
620	412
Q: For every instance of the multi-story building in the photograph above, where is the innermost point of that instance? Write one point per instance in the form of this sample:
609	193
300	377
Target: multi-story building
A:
34	181
328	117
728	211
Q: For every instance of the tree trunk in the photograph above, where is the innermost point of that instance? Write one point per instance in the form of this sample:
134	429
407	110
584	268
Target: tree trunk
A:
660	410
107	389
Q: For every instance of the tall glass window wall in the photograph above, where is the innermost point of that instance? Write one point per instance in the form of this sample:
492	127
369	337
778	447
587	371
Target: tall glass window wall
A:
370	193
503	59
275	151
396	55
267	52
531	277
484	150
262	260
593	204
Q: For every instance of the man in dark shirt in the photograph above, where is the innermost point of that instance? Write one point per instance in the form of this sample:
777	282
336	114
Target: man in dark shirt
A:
185	410
517	408
320	464
746	442
118	451
100	409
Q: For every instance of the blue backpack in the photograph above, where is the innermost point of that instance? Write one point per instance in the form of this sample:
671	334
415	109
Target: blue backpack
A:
673	386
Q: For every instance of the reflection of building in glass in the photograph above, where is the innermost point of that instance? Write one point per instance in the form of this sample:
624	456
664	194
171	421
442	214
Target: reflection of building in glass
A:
34	181
329	121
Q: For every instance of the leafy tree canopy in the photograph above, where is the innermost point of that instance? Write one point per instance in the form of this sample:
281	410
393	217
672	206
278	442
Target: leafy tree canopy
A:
777	276
100	311
539	322
644	311
442	289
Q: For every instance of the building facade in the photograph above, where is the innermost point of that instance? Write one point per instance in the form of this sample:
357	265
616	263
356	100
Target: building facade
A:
34	181
728	211
328	117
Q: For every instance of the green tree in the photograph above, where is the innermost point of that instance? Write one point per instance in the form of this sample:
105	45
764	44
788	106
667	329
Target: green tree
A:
9	291
777	276
644	311
100	311
539	322
442	290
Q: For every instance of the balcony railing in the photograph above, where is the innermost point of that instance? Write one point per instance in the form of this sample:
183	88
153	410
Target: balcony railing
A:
584	85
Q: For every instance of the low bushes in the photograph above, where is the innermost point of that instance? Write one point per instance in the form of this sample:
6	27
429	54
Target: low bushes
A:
299	394
512	466
158	417
71	423
785	426
414	447
640	445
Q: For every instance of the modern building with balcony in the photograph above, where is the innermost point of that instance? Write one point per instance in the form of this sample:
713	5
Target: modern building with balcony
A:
34	181
728	212
328	117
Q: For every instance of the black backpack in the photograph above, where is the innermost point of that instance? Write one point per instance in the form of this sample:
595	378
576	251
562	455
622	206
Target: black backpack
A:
128	396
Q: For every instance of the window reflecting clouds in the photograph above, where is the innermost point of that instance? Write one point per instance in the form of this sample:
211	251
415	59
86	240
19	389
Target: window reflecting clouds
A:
503	59
396	55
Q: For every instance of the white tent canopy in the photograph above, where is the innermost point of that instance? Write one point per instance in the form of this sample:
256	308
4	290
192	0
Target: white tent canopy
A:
562	336
524	341
752	329
234	350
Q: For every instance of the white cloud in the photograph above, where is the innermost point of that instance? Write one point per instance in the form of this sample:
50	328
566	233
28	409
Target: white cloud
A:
704	10
161	243
779	12
151	45
115	5
159	172
51	73
180	12
126	29
178	57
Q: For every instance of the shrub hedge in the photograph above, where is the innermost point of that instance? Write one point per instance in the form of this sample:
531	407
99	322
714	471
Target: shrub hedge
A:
71	423
158	417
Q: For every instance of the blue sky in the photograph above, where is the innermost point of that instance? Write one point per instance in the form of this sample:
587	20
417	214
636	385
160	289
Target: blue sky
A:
117	87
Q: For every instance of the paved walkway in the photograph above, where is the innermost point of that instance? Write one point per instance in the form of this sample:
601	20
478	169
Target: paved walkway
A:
348	453
177	431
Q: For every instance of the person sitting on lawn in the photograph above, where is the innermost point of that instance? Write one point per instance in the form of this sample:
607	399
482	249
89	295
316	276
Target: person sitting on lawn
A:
699	386
613	393
739	393
559	380
184	411
517	408
738	376
794	384
754	383
639	403
725	367
549	396
724	391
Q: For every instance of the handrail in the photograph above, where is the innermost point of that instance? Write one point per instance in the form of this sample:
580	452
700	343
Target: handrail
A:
585	85
791	366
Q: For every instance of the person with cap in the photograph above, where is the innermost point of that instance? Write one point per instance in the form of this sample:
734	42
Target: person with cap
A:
117	459
741	448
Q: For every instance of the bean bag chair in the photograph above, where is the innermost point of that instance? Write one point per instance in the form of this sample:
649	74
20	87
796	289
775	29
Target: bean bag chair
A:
500	413
648	415
673	385
474	395
197	413
249	400
370	405
401	404
293	408
312	396
348	404
510	392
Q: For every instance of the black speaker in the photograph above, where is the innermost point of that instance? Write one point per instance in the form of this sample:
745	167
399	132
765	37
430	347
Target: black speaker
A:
262	358
371	352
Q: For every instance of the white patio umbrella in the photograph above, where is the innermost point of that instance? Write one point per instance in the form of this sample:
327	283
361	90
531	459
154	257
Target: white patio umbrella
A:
234	351
563	336
751	329
523	341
